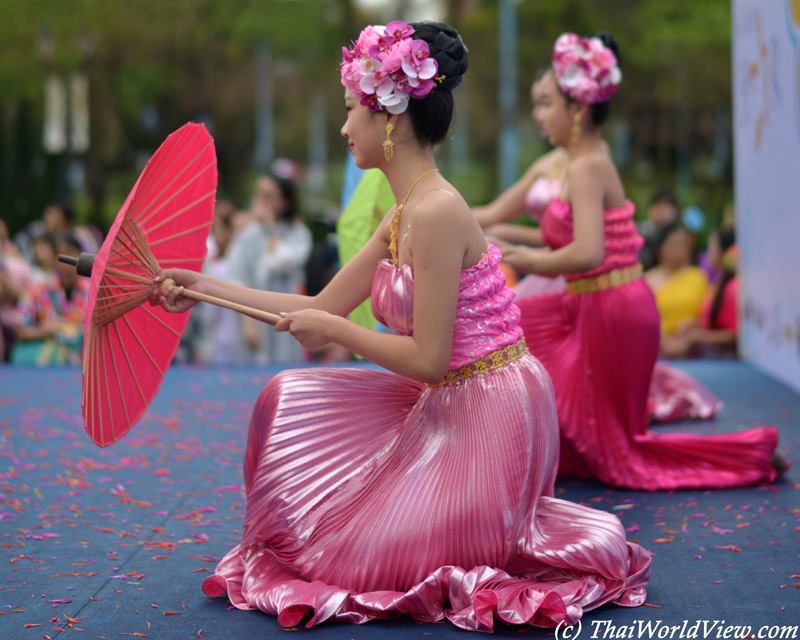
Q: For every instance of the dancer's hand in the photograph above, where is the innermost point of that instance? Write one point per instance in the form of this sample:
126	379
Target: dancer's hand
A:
171	298
520	258
309	327
499	243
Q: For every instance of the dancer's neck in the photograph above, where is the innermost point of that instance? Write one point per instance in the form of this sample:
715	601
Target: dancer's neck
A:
405	168
589	141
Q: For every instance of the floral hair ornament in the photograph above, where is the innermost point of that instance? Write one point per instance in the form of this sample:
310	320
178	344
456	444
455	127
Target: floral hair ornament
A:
384	68
585	68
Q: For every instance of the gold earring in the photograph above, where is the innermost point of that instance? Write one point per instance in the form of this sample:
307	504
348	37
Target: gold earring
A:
388	145
576	127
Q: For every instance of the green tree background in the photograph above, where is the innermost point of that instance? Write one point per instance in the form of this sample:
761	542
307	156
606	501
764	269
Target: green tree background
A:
190	59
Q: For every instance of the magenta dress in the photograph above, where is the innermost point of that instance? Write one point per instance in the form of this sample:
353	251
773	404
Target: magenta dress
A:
370	493
674	395
599	349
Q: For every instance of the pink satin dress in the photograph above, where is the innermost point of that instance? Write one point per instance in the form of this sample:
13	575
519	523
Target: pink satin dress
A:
673	395
369	493
599	349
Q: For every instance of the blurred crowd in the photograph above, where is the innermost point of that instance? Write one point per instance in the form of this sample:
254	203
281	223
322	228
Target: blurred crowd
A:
695	286
268	246
43	301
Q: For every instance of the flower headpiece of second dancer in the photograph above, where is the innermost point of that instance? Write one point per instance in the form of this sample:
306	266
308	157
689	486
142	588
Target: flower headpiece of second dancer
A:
585	68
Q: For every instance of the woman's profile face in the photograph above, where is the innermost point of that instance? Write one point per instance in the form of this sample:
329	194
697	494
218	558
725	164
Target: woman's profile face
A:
554	115
365	132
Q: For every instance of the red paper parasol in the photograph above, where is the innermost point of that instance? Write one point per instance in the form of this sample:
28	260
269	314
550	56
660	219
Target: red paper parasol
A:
128	345
164	222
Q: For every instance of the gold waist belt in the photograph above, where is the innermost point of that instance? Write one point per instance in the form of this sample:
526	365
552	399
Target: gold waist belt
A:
613	278
494	360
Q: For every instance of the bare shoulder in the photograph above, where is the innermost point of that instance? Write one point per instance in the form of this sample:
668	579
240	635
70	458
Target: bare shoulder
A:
591	168
441	206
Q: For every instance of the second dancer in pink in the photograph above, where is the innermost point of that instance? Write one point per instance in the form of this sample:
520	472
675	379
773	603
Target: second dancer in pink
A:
599	338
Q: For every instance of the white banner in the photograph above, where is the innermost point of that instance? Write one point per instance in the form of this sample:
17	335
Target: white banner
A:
766	101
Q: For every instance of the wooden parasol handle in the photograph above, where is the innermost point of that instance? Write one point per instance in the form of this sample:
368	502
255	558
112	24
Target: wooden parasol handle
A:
269	318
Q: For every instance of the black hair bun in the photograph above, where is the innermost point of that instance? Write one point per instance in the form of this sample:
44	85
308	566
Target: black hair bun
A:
447	48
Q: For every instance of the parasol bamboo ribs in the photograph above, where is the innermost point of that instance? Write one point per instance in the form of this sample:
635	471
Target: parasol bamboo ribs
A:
264	316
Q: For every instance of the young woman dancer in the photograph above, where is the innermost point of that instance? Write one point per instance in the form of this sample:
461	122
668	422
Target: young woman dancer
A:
599	338
673	395
370	492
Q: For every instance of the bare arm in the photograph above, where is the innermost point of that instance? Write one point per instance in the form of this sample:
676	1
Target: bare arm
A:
712	337
516	234
349	288
587	177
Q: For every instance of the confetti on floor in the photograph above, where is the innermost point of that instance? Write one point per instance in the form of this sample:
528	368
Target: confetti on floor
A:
116	542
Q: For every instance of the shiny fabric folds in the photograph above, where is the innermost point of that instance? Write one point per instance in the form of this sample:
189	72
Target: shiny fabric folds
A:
599	349
369	493
675	395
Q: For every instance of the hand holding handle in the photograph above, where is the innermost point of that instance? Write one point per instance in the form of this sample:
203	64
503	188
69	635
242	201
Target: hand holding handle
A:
269	318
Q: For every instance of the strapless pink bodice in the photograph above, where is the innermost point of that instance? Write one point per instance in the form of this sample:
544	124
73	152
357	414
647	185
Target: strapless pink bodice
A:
542	191
621	241
486	318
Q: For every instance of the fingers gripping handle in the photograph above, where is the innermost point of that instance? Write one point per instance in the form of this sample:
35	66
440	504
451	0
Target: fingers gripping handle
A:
269	318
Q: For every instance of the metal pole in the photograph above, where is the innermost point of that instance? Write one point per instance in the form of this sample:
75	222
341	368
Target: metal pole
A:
265	141
507	92
317	143
458	148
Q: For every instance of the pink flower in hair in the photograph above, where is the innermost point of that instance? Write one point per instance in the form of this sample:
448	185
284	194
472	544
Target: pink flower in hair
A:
351	75
369	37
566	42
585	91
394	56
418	65
385	67
376	83
399	29
422	89
585	68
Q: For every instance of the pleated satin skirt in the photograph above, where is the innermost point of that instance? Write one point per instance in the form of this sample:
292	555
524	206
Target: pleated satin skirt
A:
599	349
369	493
675	395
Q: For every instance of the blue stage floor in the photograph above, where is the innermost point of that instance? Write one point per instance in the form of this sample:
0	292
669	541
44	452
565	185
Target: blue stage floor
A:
122	538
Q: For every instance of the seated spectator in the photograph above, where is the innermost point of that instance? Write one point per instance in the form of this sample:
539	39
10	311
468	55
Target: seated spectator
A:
57	219
52	314
662	211
713	335
270	253
45	258
678	286
15	277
